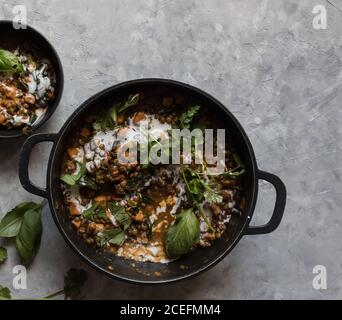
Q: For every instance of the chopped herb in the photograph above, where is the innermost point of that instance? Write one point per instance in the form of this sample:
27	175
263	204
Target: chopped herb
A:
88	213
120	214
113	236
187	117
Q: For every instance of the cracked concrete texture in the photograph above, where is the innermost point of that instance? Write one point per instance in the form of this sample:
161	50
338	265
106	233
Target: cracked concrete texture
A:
281	78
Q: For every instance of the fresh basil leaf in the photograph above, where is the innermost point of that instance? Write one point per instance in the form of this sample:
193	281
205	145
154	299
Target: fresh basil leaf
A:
120	214
11	222
196	187
88	213
68	179
3	254
187	116
72	179
109	118
9	62
5	293
182	235
85	181
101	213
28	239
113	236
73	282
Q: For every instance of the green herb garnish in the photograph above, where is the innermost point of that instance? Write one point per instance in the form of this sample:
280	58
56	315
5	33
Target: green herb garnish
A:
182	235
109	119
120	214
9	62
113	236
85	181
88	213
73	179
187	117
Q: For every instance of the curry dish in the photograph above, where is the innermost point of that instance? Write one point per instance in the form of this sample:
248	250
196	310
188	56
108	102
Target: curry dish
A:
26	86
145	211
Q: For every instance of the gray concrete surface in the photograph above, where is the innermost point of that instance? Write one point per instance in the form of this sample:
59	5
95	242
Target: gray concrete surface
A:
280	77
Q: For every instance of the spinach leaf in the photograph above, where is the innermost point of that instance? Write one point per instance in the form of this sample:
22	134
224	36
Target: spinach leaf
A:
73	179
73	282
183	234
3	254
9	62
88	213
113	236
120	214
11	222
187	116
5	293
28	239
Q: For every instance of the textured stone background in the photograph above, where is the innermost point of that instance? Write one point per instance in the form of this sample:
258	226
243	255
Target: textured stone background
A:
280	77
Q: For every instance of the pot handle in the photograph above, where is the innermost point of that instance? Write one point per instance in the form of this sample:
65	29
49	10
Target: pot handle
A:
279	206
24	160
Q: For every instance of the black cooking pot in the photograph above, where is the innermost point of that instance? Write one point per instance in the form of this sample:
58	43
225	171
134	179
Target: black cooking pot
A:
193	263
31	40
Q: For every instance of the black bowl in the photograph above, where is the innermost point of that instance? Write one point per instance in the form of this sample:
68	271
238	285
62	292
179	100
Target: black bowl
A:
32	40
146	272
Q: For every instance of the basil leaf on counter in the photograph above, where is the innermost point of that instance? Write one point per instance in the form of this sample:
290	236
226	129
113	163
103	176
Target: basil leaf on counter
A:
11	222
182	235
9	62
3	254
187	116
28	239
120	214
113	236
73	281
5	293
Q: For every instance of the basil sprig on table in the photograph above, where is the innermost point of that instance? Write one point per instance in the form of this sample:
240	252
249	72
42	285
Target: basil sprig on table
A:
24	224
3	254
9	62
183	234
5	293
74	280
